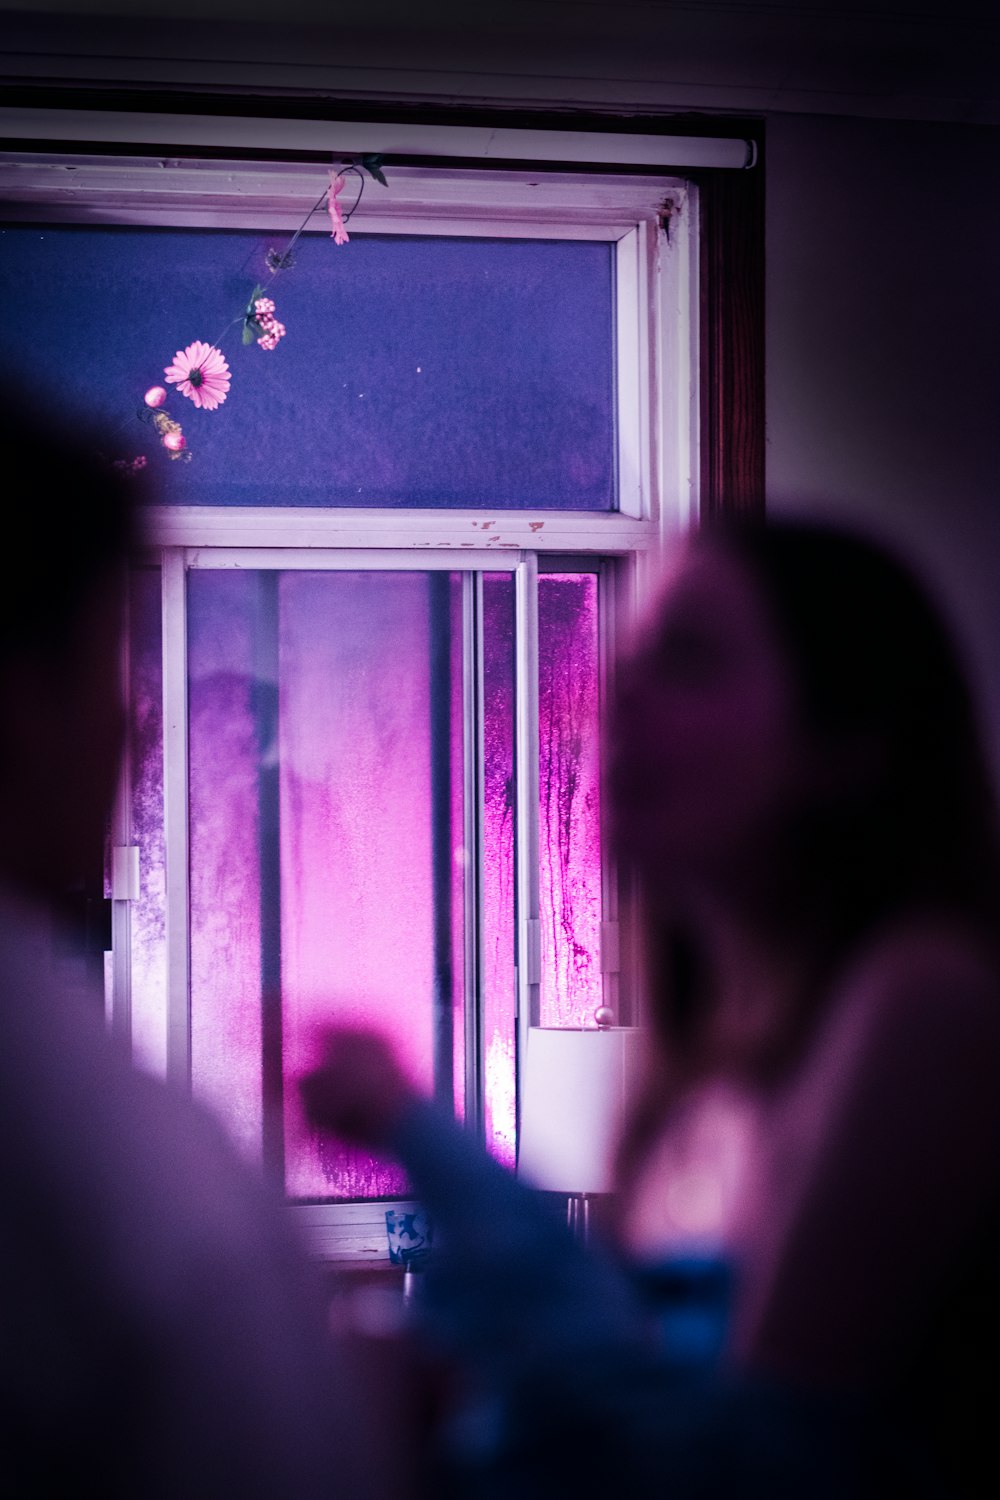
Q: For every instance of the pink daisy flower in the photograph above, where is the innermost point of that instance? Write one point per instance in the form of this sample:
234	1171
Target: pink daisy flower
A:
200	372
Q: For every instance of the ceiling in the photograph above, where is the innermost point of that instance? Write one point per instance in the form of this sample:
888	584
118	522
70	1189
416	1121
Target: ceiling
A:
920	59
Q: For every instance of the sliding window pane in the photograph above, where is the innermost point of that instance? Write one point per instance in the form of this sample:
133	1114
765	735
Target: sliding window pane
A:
570	809
147	915
327	865
228	760
498	935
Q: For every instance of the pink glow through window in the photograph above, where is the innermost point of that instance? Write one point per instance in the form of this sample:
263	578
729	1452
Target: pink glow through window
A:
328	863
326	856
499	938
570	810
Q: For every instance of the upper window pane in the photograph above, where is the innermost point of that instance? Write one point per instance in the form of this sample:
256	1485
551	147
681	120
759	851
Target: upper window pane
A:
428	372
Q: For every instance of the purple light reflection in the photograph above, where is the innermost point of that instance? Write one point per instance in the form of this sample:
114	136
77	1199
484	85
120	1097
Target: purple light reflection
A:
355	858
569	826
371	896
460	855
570	812
356	837
497	916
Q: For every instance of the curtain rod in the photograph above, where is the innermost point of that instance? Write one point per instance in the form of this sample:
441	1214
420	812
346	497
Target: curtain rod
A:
347	138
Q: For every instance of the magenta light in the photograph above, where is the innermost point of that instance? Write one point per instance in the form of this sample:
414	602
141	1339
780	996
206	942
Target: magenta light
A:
329	859
339	666
570	812
498	934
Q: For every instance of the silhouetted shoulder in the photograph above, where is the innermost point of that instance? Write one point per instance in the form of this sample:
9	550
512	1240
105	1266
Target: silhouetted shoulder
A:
887	1150
927	983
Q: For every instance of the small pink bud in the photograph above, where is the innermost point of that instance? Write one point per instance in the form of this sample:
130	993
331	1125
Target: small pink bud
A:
175	441
155	396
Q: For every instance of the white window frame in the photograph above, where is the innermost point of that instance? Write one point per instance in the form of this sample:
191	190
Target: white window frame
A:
657	403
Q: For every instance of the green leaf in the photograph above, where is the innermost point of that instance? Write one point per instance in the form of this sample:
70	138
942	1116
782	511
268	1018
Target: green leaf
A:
249	333
373	166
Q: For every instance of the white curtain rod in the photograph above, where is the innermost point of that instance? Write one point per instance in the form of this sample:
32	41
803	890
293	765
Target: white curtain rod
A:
351	138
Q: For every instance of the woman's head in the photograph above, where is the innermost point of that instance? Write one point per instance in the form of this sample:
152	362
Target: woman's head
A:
706	740
795	718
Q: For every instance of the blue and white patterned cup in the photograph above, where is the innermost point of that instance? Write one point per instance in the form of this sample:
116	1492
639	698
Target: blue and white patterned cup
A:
411	1236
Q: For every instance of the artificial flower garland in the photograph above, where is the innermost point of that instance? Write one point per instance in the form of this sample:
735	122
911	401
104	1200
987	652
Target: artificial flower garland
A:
200	371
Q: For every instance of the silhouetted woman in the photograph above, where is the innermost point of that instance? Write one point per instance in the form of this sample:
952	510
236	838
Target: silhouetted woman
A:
797	781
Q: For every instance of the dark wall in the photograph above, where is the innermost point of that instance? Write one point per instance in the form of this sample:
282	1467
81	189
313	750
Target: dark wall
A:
883	329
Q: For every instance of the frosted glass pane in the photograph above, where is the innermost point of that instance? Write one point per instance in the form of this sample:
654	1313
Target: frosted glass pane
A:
371	844
414	371
570	812
145	761
327	863
499	1026
328	854
226	758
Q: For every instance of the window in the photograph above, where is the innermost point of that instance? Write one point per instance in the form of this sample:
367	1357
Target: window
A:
369	651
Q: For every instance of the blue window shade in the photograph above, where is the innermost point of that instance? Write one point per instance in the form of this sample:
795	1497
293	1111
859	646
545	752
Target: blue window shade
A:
414	371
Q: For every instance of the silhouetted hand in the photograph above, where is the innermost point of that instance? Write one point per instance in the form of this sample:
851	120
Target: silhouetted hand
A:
359	1089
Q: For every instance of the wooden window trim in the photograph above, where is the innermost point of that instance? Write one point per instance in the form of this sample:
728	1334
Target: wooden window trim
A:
731	334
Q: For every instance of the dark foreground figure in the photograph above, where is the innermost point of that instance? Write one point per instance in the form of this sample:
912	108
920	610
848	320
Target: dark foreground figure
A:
160	1334
797	781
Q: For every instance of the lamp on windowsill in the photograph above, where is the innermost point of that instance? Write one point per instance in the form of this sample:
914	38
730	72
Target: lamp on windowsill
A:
577	1085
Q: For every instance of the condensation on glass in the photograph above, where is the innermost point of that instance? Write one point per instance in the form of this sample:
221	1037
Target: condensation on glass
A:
570	884
147	915
570	894
498	976
425	371
338	802
327	865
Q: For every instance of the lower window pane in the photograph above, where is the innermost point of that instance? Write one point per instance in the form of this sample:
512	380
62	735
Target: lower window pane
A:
570	809
327	867
498	933
334	861
147	915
